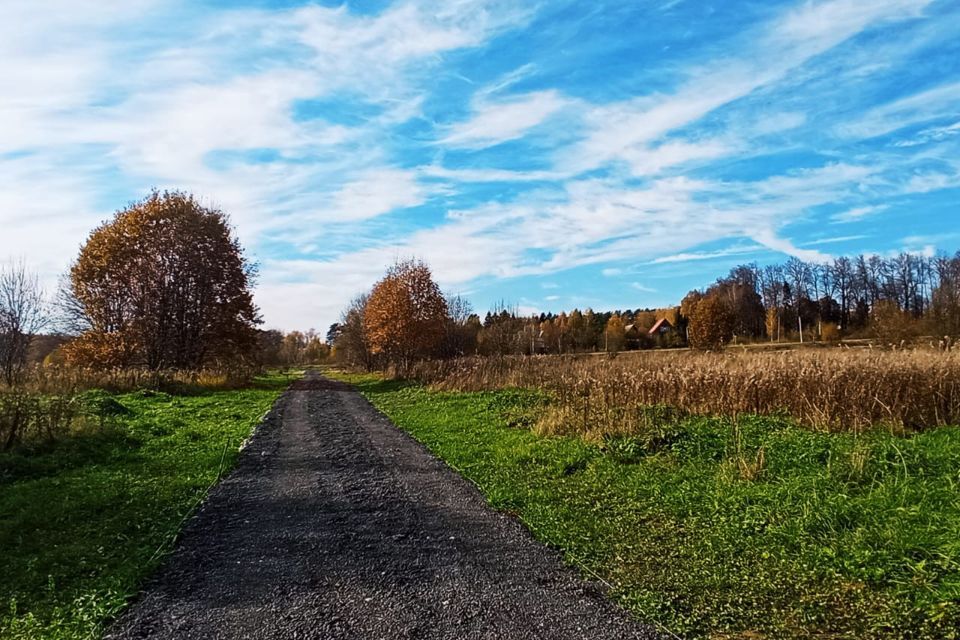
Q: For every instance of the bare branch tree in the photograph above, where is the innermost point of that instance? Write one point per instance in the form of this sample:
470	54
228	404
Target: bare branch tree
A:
22	316
69	316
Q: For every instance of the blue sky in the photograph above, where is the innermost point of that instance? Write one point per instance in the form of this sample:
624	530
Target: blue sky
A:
552	155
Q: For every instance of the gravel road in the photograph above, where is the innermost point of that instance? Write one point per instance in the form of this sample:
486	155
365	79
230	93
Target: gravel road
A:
335	524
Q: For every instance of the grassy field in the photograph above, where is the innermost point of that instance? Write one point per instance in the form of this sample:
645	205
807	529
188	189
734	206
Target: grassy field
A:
84	520
719	528
825	388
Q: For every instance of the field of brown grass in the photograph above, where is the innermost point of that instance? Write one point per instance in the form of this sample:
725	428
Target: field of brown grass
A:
828	389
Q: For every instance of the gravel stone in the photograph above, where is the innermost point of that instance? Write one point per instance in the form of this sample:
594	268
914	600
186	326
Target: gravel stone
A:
336	524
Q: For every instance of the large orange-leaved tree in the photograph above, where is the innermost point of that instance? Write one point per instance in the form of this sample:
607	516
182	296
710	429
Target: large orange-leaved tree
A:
405	316
164	285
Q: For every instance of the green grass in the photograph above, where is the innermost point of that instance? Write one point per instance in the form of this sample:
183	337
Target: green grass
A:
833	535
85	519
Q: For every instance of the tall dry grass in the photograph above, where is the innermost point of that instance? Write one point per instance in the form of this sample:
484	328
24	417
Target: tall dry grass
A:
829	389
51	401
61	380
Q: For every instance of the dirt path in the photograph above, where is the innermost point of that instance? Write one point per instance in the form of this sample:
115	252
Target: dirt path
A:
335	524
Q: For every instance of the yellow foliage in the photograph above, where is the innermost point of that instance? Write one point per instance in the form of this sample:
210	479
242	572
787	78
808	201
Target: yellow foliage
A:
405	316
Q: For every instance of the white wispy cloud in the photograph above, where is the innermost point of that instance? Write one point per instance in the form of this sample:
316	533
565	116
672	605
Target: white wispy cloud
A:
932	181
488	175
835	240
620	131
98	105
933	134
938	102
778	122
690	256
769	239
91	113
374	193
495	122
857	213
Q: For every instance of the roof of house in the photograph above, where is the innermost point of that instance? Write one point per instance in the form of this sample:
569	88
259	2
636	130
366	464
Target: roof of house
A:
662	323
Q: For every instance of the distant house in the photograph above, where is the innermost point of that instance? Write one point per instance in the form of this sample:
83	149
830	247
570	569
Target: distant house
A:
661	328
632	333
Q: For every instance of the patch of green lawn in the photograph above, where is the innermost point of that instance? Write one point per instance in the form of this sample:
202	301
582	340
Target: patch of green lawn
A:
831	535
85	519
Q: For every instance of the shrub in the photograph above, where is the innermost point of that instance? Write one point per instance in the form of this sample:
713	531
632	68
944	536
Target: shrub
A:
830	332
26	416
711	324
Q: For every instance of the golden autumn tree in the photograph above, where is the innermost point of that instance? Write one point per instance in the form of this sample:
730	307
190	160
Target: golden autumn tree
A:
771	323
614	335
711	323
163	285
405	315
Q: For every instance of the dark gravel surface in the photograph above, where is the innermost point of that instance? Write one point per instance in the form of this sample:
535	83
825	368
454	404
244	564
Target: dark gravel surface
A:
335	524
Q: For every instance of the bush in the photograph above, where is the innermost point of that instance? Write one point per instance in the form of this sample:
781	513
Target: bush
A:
711	324
31	417
830	332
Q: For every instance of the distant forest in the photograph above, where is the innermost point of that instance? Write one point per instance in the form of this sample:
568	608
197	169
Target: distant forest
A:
887	299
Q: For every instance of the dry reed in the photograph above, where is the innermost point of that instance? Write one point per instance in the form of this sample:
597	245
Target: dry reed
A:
51	401
66	380
829	389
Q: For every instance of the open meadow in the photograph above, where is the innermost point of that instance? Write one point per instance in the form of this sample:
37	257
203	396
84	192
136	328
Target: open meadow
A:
807	493
100	475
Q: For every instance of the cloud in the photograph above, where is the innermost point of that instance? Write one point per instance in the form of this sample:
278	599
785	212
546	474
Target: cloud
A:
597	220
939	102
857	213
835	240
783	245
494	123
705	255
100	105
326	133
653	160
932	181
933	134
488	175
374	193
819	26
620	131
46	210
779	122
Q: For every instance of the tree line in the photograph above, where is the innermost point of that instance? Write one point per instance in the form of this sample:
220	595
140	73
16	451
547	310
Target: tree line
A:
291	349
165	284
887	299
893	298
